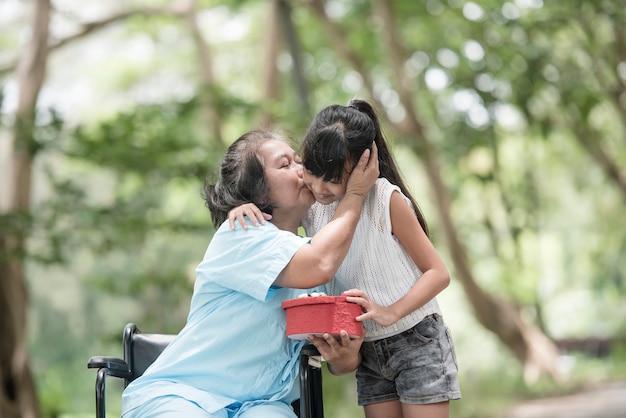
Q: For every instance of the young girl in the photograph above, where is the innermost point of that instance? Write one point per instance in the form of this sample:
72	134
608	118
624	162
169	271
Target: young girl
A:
408	366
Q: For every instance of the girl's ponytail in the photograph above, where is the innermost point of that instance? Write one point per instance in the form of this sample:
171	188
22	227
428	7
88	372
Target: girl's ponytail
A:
387	164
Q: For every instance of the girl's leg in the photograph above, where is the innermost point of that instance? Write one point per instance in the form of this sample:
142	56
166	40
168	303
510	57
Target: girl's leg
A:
387	409
431	410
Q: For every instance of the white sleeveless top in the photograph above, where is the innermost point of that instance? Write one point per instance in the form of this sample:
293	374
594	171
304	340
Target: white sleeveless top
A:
376	263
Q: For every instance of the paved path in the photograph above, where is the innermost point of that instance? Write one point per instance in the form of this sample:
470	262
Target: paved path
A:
606	401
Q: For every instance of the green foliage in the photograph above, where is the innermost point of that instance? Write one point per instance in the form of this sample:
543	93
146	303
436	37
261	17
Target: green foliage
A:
61	365
118	222
138	156
151	164
19	223
155	140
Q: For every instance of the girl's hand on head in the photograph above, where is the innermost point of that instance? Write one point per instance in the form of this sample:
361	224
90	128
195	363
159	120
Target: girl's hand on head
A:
365	173
251	211
382	315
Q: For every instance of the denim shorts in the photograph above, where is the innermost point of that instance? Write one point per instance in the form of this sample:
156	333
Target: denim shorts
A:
417	366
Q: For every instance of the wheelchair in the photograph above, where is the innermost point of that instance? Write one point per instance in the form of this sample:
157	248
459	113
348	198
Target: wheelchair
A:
141	349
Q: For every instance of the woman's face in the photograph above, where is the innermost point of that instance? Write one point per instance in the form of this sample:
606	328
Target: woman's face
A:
283	172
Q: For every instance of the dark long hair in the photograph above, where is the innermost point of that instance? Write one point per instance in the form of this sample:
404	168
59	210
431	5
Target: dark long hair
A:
341	134
241	178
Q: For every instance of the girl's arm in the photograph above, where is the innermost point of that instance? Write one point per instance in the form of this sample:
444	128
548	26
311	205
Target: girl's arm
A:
435	276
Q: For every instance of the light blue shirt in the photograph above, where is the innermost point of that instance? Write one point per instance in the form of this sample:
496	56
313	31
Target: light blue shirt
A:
233	350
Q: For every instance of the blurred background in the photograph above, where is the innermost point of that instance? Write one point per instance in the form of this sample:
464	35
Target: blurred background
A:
508	120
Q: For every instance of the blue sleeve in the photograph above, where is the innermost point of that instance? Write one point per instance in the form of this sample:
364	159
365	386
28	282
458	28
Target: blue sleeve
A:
246	261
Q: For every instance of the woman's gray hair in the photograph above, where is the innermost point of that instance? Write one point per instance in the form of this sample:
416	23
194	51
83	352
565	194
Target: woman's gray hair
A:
241	178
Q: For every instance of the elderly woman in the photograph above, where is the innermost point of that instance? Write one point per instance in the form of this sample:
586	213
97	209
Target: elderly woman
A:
232	358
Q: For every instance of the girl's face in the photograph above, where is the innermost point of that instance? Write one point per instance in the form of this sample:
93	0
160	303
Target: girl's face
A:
283	172
326	192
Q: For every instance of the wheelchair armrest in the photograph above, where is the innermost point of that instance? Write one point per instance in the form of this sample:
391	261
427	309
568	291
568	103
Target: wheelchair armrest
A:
314	357
310	350
115	367
107	366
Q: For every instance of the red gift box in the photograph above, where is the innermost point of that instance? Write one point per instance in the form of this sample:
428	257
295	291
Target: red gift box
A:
321	315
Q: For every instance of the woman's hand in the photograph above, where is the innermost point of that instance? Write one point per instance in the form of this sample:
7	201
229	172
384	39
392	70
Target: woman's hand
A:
251	211
341	354
382	315
365	173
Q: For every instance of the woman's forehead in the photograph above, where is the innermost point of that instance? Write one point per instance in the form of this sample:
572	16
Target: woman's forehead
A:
273	150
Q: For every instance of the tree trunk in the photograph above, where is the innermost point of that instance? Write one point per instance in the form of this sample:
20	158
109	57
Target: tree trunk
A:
269	73
531	347
535	350
204	55
211	106
339	42
18	396
291	37
589	141
280	26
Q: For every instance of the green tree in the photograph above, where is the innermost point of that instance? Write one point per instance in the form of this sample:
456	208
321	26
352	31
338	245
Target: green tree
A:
17	395
156	144
515	112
